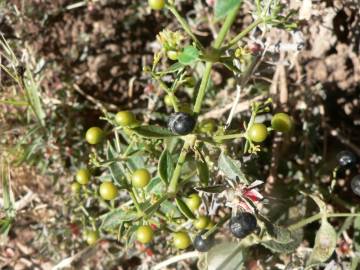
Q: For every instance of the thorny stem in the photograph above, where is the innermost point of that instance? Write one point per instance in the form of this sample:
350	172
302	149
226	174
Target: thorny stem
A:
318	216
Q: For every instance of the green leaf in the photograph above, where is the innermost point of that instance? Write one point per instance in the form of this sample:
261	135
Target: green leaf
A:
226	255
156	186
231	168
203	172
170	209
153	132
115	217
5	226
325	243
281	243
189	55
166	166
154	207
116	168
212	189
223	7
184	209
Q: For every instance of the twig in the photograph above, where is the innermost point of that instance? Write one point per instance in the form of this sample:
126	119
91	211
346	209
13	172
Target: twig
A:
188	255
99	104
68	261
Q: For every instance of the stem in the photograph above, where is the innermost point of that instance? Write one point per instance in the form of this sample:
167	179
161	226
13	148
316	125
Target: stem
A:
170	93
316	217
243	33
217	226
202	89
228	137
176	175
217	43
136	203
184	256
185	26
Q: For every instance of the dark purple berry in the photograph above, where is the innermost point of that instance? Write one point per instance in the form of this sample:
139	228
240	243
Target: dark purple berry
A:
242	224
203	244
181	123
355	184
345	158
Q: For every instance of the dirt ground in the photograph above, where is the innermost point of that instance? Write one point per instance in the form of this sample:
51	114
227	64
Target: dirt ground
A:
96	52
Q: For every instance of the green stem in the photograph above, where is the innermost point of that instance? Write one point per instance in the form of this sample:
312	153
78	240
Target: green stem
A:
169	92
217	226
217	44
136	203
202	89
229	136
316	217
177	171
185	26
243	33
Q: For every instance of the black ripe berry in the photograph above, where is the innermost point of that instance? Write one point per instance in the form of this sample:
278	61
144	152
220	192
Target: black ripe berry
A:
355	184
203	244
242	224
345	158
181	123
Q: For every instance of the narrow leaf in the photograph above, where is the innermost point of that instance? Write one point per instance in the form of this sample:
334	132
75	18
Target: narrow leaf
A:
166	166
153	132
184	209
212	189
203	172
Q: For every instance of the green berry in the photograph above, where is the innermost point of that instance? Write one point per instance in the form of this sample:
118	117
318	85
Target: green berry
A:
281	122
140	178
94	135
125	118
201	222
83	176
108	191
193	202
75	187
257	132
144	234
156	4
181	240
